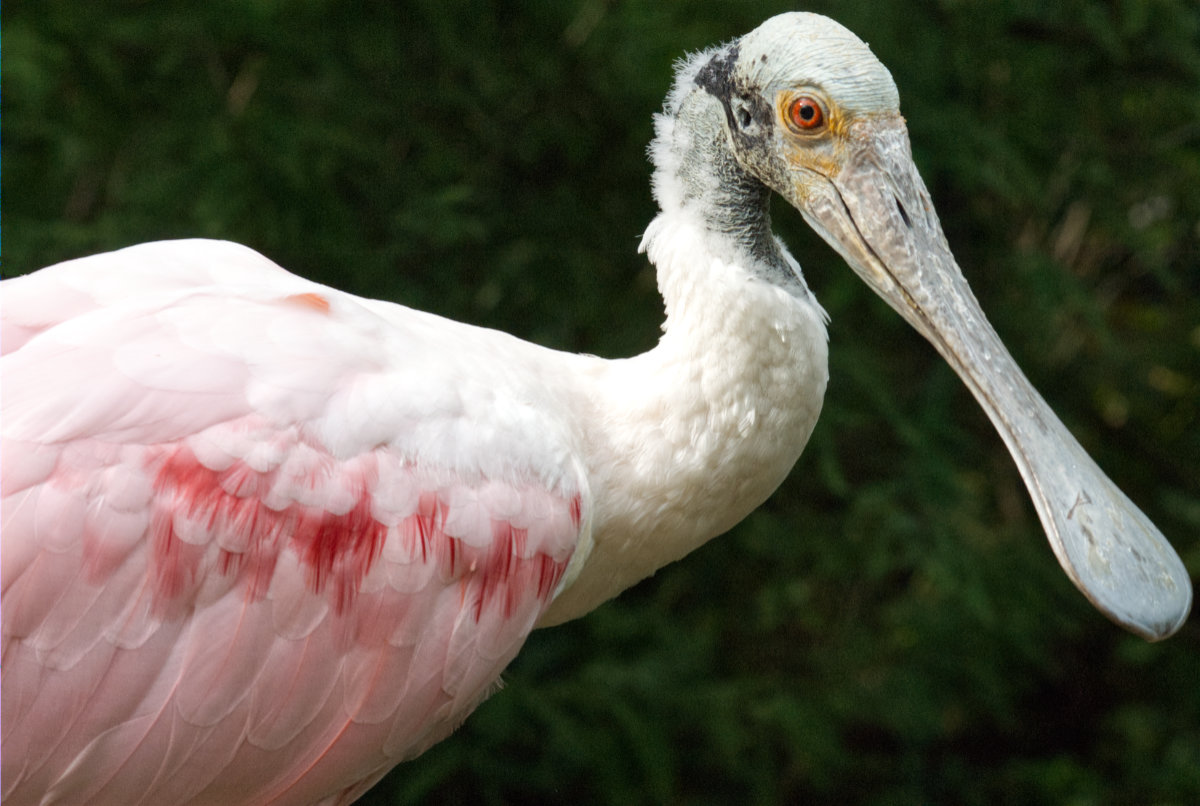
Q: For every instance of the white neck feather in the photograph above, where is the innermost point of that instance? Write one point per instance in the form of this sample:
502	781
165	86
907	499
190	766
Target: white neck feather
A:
686	439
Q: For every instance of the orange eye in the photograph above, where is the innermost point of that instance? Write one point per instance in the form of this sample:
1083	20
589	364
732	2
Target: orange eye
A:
805	114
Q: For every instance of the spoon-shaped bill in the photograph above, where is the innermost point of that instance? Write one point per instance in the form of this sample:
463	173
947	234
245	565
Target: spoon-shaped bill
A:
877	213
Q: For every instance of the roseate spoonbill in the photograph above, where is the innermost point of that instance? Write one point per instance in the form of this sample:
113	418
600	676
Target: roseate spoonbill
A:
263	540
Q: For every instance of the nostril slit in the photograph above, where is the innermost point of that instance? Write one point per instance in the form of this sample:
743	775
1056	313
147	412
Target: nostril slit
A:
903	212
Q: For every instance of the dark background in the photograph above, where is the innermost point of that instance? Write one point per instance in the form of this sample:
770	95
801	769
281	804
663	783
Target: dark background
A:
891	627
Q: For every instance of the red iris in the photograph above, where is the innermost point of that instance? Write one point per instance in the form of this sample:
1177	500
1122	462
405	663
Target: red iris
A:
806	114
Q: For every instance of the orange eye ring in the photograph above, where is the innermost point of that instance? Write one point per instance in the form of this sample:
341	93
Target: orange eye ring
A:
805	114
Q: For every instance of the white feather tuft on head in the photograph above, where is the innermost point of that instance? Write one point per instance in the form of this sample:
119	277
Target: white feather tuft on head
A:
667	191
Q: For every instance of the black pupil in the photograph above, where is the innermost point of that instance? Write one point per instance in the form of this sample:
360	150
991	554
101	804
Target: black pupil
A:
807	112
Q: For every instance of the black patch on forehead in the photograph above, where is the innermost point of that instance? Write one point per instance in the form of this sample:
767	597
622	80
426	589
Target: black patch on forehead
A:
716	77
743	103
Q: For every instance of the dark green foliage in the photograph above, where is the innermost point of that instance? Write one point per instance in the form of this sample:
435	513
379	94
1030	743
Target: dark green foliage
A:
890	628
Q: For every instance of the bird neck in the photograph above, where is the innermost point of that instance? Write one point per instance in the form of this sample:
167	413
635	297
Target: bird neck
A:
687	439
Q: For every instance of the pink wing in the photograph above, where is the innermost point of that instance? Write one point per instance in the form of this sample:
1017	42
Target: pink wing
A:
253	550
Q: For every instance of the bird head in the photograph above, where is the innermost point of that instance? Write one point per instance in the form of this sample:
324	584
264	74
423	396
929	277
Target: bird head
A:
803	107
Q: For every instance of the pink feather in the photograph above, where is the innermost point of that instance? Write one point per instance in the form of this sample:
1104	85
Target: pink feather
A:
219	585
